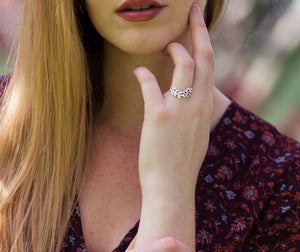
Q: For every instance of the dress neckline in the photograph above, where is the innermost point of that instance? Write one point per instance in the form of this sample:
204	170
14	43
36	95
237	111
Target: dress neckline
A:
123	245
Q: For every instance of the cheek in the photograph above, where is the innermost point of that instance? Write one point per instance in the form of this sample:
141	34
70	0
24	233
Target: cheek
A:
144	41
97	10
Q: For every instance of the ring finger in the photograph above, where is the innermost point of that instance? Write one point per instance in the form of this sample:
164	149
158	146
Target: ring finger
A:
183	73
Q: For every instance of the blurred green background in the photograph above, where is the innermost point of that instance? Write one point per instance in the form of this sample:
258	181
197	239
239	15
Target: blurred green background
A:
257	51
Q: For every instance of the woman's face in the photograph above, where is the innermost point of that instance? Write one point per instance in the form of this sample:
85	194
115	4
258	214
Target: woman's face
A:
140	31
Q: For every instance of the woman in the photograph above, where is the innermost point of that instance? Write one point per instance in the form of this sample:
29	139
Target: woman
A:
96	117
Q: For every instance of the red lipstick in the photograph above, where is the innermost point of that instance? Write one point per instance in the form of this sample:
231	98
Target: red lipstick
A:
139	10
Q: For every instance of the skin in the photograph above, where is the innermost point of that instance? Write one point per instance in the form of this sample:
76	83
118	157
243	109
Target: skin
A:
160	141
166	244
141	38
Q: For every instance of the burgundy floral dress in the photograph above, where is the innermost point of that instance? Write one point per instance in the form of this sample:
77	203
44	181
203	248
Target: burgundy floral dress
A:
248	190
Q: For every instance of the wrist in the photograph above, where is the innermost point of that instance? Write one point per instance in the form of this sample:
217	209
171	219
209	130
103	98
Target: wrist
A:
163	217
168	189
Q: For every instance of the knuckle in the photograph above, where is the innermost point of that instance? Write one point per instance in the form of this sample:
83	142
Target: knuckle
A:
151	89
187	63
169	244
161	114
207	54
147	77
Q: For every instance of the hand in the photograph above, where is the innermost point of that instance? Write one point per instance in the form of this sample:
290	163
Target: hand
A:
174	138
167	244
175	132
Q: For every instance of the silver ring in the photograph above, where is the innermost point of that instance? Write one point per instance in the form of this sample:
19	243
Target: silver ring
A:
177	93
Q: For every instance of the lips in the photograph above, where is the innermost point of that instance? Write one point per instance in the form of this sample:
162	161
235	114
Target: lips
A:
139	10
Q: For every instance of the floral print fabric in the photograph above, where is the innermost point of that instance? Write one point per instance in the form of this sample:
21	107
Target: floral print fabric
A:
4	80
247	195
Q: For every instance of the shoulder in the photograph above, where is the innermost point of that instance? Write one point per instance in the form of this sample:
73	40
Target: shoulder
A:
249	184
245	133
259	153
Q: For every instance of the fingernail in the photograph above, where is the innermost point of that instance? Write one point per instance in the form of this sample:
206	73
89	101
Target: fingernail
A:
196	9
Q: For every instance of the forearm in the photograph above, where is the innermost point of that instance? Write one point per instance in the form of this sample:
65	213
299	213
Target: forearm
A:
167	216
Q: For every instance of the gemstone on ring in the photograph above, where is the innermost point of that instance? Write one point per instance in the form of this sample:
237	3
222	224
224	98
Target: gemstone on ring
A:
177	93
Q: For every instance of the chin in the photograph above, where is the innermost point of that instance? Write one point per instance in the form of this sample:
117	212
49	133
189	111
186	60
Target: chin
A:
143	49
145	43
